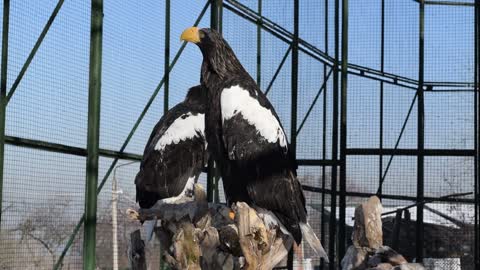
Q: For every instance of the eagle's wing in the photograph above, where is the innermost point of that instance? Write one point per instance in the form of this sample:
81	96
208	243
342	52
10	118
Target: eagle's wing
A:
174	154
253	136
250	127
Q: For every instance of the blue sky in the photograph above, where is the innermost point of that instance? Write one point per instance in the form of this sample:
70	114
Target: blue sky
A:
51	101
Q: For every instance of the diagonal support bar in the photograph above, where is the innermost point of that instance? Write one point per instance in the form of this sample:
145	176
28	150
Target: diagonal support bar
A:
397	143
34	49
279	68
3	92
314	101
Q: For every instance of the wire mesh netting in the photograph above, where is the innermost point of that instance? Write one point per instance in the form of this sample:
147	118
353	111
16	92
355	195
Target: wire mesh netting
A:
391	89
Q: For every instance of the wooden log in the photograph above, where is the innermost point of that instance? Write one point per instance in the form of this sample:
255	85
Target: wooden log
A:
197	235
136	252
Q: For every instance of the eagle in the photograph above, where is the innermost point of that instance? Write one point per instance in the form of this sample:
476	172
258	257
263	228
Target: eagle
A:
174	155
247	140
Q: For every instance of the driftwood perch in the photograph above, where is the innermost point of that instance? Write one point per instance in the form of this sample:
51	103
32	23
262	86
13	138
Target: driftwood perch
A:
198	235
136	252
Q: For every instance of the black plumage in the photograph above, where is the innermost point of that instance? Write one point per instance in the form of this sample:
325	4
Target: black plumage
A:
256	164
164	171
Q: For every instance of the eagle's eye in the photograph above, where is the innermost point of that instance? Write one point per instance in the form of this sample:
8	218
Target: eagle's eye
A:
201	34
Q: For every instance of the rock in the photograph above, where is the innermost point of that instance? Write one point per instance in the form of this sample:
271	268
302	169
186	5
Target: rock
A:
409	266
355	259
386	254
367	231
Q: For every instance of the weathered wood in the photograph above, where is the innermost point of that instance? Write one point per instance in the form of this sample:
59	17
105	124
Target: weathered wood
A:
396	230
368	224
136	252
367	251
198	235
261	246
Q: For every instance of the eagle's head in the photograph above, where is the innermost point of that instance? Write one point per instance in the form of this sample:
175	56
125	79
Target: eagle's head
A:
196	97
218	56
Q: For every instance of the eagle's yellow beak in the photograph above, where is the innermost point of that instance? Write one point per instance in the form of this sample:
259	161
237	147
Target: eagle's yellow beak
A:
191	35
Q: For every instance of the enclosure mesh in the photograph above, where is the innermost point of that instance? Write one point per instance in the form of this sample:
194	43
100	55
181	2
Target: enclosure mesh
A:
43	196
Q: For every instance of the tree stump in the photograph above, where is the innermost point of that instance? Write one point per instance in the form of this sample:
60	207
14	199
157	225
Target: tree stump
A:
198	235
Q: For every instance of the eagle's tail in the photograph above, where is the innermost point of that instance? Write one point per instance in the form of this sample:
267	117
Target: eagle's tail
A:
311	238
149	228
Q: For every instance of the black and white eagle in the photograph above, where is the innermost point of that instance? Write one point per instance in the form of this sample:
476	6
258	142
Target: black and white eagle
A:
174	155
247	140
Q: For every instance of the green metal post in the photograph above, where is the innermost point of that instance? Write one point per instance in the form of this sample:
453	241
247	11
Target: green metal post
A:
382	67
259	45
166	85
477	135
220	15
324	136
217	176
214	14
343	132
420	138
333	202
294	93
94	88
294	96
211	173
3	94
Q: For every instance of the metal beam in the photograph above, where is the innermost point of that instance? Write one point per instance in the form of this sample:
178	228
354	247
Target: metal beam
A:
3	94
294	79
450	3
294	97
447	198
420	137
343	134
93	138
166	87
35	49
259	44
317	162
411	152
477	135
166	62
333	198
382	69
324	135
66	149
211	171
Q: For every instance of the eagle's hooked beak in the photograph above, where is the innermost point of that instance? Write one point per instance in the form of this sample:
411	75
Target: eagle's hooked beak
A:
191	35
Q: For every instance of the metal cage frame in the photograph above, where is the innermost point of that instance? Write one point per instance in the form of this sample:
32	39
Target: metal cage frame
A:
335	68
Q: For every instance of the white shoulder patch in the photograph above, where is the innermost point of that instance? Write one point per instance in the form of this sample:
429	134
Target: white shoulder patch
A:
184	127
235	100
